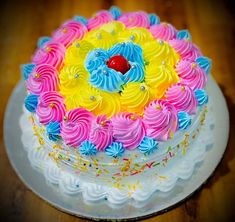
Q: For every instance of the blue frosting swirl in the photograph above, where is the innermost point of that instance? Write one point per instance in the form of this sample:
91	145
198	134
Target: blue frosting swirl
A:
115	150
148	145
131	51
154	19
183	34
201	96
87	148
184	120
116	12
53	130
80	19
31	102
26	70
95	59
134	74
42	41
204	63
106	79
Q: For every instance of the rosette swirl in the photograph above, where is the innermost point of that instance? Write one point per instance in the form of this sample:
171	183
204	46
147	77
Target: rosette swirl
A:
160	118
106	79
154	19
95	59
135	19
163	31
160	78
53	130
135	96
191	74
44	78
99	19
184	120
204	63
148	145
87	148
128	129
201	96
69	31
31	102
101	132
181	46
51	53
115	150
182	98
50	107
26	70
116	12
76	126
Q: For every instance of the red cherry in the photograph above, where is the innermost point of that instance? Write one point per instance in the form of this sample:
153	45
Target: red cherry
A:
118	63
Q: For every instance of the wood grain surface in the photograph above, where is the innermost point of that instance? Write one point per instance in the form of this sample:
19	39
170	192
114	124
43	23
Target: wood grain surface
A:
212	26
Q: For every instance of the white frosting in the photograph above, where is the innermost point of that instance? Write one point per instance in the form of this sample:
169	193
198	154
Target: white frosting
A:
71	184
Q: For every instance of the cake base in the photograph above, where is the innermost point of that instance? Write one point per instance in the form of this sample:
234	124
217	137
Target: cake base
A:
158	202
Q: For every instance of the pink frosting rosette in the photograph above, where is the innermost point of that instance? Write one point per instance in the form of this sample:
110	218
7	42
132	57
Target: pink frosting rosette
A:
99	19
164	31
76	126
51	53
44	78
101	132
135	19
160	118
191	74
128	129
50	107
182	98
181	46
69	31
193	54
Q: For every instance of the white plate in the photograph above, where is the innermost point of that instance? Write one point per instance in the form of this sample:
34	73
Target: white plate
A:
158	203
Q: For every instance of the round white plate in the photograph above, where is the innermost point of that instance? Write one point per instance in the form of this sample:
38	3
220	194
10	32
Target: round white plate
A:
158	203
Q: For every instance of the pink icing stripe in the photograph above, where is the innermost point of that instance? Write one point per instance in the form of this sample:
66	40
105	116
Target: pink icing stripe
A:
51	53
50	107
191	74
128	129
101	132
182	98
99	19
69	31
76	127
163	31
135	19
43	78
161	120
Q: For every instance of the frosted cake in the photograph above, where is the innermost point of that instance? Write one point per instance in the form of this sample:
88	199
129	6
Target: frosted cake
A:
114	100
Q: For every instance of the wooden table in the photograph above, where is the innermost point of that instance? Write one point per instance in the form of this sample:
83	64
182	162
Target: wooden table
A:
213	29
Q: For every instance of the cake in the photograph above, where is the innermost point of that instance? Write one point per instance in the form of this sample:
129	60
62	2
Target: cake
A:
112	102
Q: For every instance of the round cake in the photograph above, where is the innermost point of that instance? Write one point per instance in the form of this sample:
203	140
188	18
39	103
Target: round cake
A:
113	101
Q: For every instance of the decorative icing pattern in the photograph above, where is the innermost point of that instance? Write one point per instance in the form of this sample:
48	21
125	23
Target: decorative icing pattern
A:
201	96
160	118
184	120
53	130
115	150
76	126
31	102
148	145
126	81
128	129
50	107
